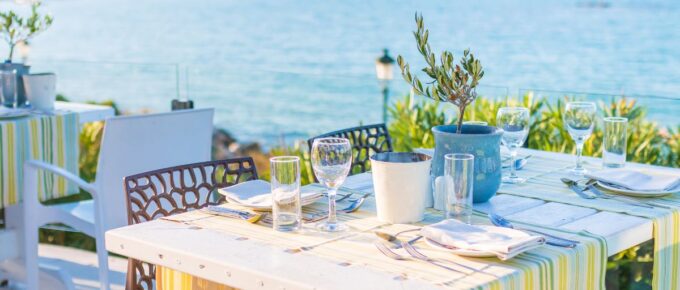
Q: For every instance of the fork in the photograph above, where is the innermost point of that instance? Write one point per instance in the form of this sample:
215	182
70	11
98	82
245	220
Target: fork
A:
392	255
590	185
420	256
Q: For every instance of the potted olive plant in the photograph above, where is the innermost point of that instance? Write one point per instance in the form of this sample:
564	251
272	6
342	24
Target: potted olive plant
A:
16	29
456	84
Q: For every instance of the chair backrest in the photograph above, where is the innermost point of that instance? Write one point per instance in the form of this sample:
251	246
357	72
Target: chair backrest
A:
133	144
178	189
365	140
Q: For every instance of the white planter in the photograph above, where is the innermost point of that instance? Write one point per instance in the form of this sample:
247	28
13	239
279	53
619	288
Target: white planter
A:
402	186
41	90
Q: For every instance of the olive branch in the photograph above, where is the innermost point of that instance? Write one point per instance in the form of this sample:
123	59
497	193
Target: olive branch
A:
16	29
451	83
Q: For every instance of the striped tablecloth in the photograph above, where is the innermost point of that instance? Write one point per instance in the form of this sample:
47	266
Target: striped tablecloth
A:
546	267
543	182
50	138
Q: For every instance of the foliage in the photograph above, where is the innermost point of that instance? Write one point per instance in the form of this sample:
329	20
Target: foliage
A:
647	142
16	29
451	83
300	150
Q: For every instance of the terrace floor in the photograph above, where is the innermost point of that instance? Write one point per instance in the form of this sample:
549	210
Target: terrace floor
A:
80	265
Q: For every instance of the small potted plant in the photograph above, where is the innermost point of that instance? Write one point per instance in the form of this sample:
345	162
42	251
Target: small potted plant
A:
16	29
456	84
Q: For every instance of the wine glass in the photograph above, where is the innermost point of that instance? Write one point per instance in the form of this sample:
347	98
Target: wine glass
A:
331	161
515	124
579	118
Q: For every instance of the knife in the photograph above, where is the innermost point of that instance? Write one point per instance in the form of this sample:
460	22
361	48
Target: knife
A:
232	213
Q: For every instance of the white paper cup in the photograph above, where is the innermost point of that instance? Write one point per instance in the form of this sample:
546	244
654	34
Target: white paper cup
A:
41	90
401	181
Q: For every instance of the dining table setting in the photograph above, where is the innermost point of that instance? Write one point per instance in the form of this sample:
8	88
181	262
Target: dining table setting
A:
549	225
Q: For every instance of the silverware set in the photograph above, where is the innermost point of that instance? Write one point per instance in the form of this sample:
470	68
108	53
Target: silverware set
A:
267	219
590	187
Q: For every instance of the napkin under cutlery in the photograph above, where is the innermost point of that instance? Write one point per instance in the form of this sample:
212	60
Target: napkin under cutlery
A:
636	180
453	233
257	193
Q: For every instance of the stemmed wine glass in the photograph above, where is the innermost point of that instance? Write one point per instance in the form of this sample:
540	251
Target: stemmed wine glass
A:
515	124
331	161
579	118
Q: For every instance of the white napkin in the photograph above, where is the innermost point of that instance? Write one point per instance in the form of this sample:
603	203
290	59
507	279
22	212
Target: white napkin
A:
637	180
257	193
456	234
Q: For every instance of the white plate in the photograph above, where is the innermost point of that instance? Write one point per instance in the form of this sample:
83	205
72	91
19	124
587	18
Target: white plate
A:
260	190
478	254
13	113
637	193
305	202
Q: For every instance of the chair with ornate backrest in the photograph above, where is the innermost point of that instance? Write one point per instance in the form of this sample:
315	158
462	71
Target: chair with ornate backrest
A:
365	140
159	193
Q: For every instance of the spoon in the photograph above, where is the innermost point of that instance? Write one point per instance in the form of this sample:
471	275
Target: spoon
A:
352	207
519	163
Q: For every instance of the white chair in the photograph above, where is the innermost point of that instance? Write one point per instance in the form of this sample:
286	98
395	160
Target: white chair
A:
130	145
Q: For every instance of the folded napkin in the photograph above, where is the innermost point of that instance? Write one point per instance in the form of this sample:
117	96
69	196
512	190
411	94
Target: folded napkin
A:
257	193
636	180
453	233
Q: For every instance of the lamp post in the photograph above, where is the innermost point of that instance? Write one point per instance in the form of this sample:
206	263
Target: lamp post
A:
24	50
383	70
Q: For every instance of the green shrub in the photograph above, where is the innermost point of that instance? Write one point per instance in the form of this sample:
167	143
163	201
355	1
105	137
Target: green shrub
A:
647	142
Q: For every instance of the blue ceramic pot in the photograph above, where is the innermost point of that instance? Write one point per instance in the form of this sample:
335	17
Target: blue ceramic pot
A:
484	142
21	70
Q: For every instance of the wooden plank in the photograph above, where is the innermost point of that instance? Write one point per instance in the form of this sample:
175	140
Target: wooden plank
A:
552	214
242	264
621	231
506	204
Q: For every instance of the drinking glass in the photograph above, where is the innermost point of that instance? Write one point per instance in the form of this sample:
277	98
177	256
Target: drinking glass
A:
614	143
579	118
8	88
285	181
515	124
331	161
460	169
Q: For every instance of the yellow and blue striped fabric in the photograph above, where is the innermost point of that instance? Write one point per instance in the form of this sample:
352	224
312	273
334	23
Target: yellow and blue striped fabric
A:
53	139
543	182
547	267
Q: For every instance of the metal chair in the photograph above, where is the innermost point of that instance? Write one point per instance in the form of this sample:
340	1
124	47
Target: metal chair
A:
365	140
159	193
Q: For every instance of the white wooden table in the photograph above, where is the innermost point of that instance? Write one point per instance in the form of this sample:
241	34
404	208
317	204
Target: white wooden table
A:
250	265
9	237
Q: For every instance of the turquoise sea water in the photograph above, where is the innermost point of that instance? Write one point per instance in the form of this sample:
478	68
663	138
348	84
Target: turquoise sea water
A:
303	67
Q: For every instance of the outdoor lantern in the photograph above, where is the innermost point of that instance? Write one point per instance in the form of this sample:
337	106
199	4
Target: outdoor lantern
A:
383	70
24	50
383	67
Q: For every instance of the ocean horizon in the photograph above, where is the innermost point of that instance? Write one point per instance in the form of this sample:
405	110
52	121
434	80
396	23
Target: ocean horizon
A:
298	68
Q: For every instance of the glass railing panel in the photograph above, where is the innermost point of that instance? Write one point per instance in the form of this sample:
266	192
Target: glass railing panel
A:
658	109
133	86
